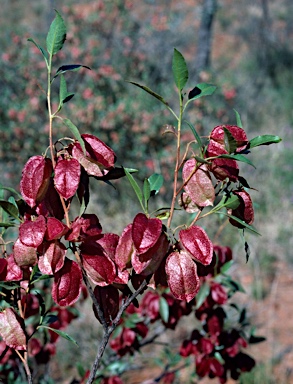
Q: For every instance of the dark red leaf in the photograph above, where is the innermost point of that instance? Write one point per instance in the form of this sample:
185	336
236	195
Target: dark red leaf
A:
55	229
83	227
108	298
3	269
24	256
199	187
196	242
52	257
125	248
148	262
31	233
66	177
35	179
182	276
99	267
238	133
67	284
244	211
145	232
51	204
12	329
221	168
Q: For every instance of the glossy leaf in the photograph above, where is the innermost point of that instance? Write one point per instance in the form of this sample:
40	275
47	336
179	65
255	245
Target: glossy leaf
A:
199	186
202	294
146	191
148	90
241	222
64	335
41	49
10	208
67	284
145	232
135	186
237	157
229	141
180	71
70	67
264	140
195	134
164	309
156	181
197	244
202	89
12	329
56	35
238	119
74	130
182	276
230	136
67	176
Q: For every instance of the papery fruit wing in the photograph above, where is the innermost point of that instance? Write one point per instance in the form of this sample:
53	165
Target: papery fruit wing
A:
145	232
125	248
52	256
99	151
14	272
109	242
66	178
31	233
182	275
11	329
108	298
244	211
35	179
67	284
55	229
196	242
24	256
199	186
218	134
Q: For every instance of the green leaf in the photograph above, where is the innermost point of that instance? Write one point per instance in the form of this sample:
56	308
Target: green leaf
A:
229	202
204	89
148	90
237	157
10	208
229	141
256	339
12	191
64	96
135	186
56	35
7	225
238	119
43	52
226	267
195	134
156	181
164	309
9	285
264	140
247	226
70	67
201	160
146	191
202	294
180	71
60	333
74	130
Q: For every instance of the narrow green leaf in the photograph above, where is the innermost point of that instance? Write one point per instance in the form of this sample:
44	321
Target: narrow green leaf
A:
60	333
247	226
9	285
56	35
264	140
134	185
229	202
7	225
43	52
202	89
237	157
180	71
156	181
163	216
70	67
146	191
226	266
229	141
74	130
49	319
195	134
12	191
202	160
10	208
148	90
164	309
238	119
202	294
256	339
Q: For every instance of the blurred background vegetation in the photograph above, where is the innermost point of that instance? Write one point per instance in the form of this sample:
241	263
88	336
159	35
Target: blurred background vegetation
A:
244	47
